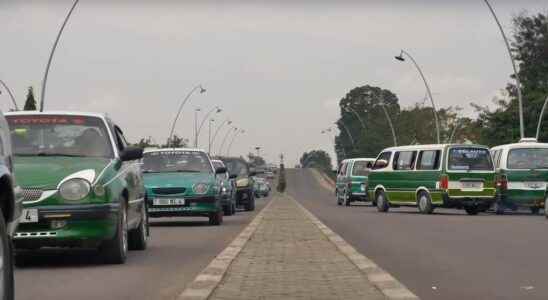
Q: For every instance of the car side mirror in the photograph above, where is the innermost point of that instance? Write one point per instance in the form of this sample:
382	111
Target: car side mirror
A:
381	163
232	176
131	153
369	165
220	170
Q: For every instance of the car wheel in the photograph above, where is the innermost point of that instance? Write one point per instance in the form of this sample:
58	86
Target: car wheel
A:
138	237
424	203
216	218
382	203
6	262
250	205
471	210
535	210
339	202
346	198
498	207
115	250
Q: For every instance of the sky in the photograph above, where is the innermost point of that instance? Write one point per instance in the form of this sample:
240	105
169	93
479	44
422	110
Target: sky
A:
277	68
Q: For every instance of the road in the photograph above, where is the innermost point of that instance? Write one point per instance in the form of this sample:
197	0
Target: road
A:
178	250
447	255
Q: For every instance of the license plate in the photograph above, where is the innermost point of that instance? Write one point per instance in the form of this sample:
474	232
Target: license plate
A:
161	201
471	185
535	185
29	216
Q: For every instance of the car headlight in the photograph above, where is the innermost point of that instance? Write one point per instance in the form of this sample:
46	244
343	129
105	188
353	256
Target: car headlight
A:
200	188
224	190
242	182
362	187
74	189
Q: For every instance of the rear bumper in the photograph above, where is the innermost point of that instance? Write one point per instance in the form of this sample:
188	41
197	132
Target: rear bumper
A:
244	195
461	202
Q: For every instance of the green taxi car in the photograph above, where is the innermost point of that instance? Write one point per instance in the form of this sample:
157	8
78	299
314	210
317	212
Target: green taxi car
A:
81	184
183	182
352	180
521	174
430	176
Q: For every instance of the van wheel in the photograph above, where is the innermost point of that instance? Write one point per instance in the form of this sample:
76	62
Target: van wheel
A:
6	270
382	203
471	210
346	198
424	203
115	251
498	207
138	237
338	197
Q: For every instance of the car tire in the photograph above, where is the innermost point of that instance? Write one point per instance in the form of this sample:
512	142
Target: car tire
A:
471	210
216	219
250	205
338	197
7	262
424	203
138	237
535	210
347	198
115	251
382	203
498	208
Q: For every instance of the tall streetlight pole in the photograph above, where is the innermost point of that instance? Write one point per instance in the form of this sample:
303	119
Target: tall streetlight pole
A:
196	111
9	93
215	109
347	132
211	121
401	58
230	130
232	142
516	75
383	106
540	118
196	88
226	121
349	108
45	79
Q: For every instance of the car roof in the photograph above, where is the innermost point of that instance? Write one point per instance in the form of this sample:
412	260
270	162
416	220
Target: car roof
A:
174	149
521	145
430	147
55	112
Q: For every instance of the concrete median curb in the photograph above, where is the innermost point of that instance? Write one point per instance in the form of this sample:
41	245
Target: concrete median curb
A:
386	283
205	283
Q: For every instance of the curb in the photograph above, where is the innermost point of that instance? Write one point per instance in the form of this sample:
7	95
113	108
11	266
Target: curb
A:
210	277
382	280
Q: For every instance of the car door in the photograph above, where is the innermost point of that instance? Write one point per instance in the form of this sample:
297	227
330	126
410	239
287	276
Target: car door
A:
403	188
428	172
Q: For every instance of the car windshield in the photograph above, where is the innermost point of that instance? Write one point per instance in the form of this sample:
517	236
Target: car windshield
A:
217	164
469	158
59	135
528	158
360	168
237	167
176	161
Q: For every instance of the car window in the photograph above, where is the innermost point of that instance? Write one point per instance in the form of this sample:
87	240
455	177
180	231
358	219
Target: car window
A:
383	156
429	160
469	158
59	135
497	158
121	142
404	160
237	167
343	169
218	164
176	161
360	168
528	158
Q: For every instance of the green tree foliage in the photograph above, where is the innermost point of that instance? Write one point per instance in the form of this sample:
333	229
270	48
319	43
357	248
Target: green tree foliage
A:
176	142
146	143
316	159
30	102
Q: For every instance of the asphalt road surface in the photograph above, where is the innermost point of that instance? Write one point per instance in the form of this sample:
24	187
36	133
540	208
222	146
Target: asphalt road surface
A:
178	250
447	255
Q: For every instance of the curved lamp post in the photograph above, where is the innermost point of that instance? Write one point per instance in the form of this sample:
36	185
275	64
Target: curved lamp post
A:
215	109
349	108
232	142
196	88
228	122
401	58
383	106
9	93
45	79
347	132
540	118
516	75
234	128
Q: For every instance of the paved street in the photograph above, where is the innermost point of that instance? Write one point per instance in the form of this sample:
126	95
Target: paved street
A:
448	255
178	250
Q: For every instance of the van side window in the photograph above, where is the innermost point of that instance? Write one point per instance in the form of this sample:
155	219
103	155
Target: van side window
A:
382	161
343	169
429	160
497	158
404	160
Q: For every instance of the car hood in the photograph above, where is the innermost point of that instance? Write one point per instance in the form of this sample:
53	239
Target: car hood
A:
179	179
48	172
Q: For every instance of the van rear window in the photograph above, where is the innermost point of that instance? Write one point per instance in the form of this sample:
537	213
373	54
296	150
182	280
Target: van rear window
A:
469	159
529	158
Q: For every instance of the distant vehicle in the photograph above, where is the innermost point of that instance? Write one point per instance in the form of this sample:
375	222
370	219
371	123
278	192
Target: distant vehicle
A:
243	174
228	189
430	176
522	174
352	180
10	205
183	182
81	182
269	175
262	188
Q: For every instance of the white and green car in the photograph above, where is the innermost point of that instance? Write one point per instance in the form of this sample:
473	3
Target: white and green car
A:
430	176
522	174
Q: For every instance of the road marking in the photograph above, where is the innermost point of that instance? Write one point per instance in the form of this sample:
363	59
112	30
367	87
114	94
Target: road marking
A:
205	283
382	280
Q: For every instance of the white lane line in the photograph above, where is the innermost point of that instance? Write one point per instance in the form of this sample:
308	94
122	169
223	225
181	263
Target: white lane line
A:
205	283
382	280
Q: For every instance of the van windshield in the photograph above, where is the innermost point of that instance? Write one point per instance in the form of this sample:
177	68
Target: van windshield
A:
469	159
360	168
528	158
176	161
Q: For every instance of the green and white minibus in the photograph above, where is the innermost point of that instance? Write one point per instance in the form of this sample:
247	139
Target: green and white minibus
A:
521	175
352	180
430	176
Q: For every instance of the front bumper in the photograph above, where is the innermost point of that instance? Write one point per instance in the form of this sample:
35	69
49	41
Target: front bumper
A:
200	206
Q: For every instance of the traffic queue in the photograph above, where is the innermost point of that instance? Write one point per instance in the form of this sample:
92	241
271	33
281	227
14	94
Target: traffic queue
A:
71	179
460	176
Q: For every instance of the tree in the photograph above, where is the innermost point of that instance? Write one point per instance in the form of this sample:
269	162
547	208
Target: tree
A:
30	102
176	142
146	143
316	159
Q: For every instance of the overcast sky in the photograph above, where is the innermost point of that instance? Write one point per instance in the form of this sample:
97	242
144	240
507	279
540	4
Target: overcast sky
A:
277	68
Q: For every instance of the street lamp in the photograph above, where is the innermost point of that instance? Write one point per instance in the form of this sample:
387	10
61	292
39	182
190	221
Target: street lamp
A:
228	122
215	109
196	111
211	121
540	118
9	93
516	75
45	79
234	128
383	106
232	142
401	58
196	88
348	108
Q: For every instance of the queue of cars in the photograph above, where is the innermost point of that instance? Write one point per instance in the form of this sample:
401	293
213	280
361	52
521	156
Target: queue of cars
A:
70	179
462	176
